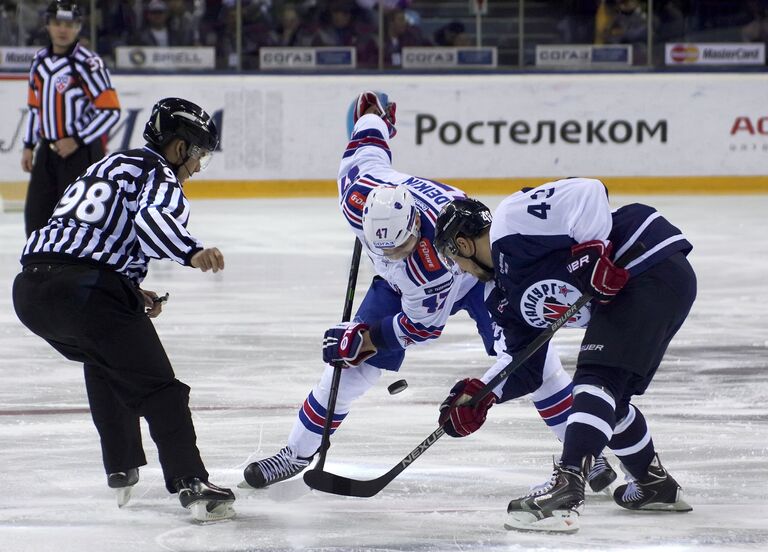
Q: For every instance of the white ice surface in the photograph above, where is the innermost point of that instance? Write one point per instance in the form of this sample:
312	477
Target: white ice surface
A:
247	342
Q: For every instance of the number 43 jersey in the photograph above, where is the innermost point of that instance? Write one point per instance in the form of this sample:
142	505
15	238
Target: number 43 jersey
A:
124	210
531	237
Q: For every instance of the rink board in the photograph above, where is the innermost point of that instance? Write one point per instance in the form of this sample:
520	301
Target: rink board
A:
282	136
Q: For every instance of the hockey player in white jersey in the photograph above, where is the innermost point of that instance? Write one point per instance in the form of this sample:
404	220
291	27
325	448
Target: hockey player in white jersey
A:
409	301
545	247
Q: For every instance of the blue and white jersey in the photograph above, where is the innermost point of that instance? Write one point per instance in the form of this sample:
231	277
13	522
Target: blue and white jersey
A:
531	236
428	288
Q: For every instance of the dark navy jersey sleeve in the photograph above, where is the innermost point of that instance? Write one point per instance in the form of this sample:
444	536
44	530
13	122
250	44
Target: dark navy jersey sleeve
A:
640	223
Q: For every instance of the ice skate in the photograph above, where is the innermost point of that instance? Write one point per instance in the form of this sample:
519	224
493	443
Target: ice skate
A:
123	483
206	501
283	465
658	491
601	477
552	507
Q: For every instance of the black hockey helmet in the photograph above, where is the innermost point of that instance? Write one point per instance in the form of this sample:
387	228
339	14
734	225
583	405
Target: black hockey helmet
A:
179	118
63	10
466	218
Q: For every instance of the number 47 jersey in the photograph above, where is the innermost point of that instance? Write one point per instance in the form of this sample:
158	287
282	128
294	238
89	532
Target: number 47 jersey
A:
428	290
124	210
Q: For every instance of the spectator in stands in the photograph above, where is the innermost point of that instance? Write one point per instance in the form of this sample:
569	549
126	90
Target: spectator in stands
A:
120	24
156	32
9	25
725	18
211	22
452	34
256	33
344	25
627	25
578	23
291	29
399	33
671	19
757	29
388	4
182	24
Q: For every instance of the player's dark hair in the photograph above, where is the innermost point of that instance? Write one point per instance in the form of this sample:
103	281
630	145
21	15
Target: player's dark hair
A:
466	218
178	118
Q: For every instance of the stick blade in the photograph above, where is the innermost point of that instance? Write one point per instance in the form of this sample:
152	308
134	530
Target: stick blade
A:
328	482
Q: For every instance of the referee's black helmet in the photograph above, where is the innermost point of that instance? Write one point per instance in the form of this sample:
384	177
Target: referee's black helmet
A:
63	10
178	118
466	218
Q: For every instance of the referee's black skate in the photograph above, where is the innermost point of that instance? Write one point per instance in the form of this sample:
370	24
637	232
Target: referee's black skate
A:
123	483
283	465
601	476
552	507
657	491
206	501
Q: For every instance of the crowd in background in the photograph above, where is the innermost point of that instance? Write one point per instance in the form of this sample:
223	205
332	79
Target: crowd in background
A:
356	23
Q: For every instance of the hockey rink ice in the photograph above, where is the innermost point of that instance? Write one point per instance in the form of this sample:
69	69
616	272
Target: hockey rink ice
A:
248	343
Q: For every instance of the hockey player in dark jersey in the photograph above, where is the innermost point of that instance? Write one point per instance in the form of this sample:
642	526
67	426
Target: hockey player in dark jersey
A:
543	248
409	302
80	291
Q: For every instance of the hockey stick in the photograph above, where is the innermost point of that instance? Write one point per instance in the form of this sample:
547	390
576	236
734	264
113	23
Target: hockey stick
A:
336	484
325	443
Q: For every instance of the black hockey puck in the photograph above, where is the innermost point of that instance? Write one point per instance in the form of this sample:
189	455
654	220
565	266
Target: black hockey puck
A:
397	387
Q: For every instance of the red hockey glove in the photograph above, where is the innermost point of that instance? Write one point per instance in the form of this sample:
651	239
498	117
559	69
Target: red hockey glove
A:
344	343
591	264
460	421
367	100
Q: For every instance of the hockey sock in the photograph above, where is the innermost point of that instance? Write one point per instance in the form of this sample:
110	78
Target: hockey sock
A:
553	400
307	431
590	425
632	443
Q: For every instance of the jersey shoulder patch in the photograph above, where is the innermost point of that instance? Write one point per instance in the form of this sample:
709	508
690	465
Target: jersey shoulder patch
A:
423	265
353	201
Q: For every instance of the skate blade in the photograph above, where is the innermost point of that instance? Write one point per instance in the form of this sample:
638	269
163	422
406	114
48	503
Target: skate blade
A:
203	511
244	485
679	506
123	495
559	522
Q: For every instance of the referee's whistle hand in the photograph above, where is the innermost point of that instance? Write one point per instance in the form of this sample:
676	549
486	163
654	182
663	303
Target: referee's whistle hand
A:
152	307
208	259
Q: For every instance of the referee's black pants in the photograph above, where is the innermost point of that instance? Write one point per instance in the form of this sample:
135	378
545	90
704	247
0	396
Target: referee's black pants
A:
51	174
96	316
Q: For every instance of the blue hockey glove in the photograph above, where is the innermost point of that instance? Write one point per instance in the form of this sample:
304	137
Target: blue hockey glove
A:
344	343
460	421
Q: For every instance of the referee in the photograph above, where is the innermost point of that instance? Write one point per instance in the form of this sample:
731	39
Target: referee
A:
72	106
79	289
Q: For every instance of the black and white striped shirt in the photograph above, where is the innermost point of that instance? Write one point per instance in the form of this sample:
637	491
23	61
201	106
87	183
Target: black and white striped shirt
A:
124	210
70	95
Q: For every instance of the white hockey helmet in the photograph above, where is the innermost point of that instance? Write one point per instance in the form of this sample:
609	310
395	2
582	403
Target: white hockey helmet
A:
389	217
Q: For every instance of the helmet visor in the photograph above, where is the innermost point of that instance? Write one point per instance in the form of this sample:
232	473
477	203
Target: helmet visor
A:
204	156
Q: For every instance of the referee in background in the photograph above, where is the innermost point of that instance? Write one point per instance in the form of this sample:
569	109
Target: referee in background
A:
72	106
80	291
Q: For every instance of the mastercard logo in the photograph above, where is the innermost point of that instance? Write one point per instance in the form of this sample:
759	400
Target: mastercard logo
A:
684	53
